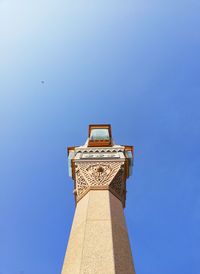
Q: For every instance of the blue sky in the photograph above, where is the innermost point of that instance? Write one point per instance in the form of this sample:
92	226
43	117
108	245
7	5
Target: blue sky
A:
134	64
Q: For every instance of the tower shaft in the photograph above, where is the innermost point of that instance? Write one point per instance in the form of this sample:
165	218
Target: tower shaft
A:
98	240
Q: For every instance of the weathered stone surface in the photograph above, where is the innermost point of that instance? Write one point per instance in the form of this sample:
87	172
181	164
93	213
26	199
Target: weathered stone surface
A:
121	246
98	241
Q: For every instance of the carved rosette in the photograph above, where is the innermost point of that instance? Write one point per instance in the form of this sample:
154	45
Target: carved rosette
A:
100	175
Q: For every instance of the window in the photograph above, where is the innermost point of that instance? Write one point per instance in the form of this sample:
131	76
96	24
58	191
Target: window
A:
99	134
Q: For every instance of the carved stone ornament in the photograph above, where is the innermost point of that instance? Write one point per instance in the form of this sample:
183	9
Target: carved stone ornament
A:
100	175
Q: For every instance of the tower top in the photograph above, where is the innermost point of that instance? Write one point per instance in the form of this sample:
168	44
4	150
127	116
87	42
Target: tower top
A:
100	162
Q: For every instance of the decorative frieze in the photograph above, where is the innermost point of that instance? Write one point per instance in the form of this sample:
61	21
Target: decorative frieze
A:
100	175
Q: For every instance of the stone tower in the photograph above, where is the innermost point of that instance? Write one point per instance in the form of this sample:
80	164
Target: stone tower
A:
98	240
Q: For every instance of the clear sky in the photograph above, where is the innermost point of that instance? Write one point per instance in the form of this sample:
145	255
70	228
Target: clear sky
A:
134	64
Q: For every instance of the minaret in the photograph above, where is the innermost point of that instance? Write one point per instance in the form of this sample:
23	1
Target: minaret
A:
98	242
